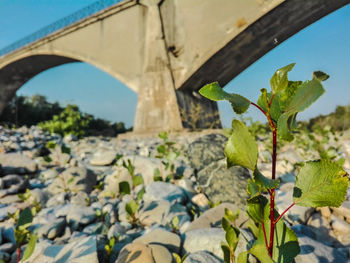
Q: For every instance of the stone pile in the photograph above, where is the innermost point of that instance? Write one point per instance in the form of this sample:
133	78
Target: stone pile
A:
82	209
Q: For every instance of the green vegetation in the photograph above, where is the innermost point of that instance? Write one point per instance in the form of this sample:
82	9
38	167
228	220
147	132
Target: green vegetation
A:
23	219
168	152
319	183
36	110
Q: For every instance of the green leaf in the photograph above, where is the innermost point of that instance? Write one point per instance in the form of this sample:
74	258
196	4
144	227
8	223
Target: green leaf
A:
137	180
242	257
285	246
175	221
320	183
264	182
307	93
30	247
279	80
225	224
214	92
263	99
124	188
25	218
65	149
132	207
226	252
241	148
321	76
163	135
140	194
177	258
252	188
255	208
230	215
260	252
232	237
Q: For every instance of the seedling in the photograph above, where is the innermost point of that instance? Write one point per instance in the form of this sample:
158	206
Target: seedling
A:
319	182
168	153
23	220
34	204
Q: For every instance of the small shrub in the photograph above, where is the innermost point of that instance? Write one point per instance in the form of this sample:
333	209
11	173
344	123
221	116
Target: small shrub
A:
319	182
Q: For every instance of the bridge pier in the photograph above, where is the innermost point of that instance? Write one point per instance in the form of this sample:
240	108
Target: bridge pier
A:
157	108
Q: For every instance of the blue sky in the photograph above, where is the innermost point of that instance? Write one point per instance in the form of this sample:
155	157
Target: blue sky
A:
322	46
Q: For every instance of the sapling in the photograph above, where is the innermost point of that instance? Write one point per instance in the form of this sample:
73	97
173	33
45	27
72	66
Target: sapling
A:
319	182
23	219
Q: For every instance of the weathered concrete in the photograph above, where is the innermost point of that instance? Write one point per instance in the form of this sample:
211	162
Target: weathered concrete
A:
166	50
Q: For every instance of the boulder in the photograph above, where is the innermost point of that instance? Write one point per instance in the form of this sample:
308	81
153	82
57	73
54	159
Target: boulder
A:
222	184
17	163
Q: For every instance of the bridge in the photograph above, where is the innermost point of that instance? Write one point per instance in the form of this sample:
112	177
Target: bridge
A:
164	50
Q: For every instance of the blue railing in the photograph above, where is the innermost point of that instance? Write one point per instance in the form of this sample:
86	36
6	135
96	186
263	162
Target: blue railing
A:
59	24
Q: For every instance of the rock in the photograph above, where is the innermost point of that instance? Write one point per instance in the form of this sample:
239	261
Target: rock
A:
7	248
13	184
313	251
78	215
103	157
343	210
208	239
80	199
213	216
83	250
111	181
74	179
157	191
118	229
222	184
48	174
202	257
160	254
15	163
5	209
38	195
201	201
52	229
321	228
163	237
162	212
206	150
136	253
339	226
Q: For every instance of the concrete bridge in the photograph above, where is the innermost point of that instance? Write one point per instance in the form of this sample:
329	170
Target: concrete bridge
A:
166	50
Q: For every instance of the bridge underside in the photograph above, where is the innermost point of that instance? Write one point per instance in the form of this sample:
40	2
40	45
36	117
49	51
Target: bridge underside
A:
14	75
168	51
259	38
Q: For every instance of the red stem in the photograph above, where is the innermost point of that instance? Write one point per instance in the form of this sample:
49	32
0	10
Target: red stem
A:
18	254
272	194
285	211
263	227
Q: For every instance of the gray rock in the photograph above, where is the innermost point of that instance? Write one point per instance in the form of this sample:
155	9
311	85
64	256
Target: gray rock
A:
96	229
52	229
208	239
73	180
13	184
213	216
48	174
5	209
17	163
80	199
202	257
160	254
206	150
162	237
103	157
83	250
118	229
222	184
162	212
7	248
78	215
340	226
136	253
313	251
157	191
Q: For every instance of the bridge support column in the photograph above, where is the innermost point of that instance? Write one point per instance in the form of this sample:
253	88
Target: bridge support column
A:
157	108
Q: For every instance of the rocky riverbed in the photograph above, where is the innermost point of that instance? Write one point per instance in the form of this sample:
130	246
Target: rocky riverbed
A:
74	185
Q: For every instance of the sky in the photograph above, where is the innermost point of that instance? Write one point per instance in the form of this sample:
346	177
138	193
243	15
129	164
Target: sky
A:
323	45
